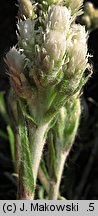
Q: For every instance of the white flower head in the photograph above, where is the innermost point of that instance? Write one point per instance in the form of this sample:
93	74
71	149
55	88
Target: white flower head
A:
55	44
29	37
26	29
15	59
59	18
77	47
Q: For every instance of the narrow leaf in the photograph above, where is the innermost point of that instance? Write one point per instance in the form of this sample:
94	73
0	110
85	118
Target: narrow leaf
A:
25	154
11	140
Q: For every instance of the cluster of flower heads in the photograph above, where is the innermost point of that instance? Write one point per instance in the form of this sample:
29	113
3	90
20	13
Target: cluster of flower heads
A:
51	54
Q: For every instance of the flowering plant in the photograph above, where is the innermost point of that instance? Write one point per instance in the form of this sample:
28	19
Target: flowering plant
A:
46	71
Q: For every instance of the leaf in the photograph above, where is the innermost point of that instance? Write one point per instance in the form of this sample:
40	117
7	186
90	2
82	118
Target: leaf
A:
25	154
11	140
3	110
41	193
51	94
25	113
2	103
43	167
53	155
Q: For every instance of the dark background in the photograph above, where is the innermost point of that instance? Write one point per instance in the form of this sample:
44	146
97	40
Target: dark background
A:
80	178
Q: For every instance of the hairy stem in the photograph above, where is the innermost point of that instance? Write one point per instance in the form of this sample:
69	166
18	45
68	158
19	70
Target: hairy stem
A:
37	141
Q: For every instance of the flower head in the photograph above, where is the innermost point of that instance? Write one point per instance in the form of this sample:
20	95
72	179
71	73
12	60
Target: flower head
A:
55	44
16	60
28	37
26	29
59	18
77	48
16	64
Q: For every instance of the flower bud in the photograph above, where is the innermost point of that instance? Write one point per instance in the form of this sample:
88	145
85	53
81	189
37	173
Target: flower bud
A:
26	8
59	18
55	44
